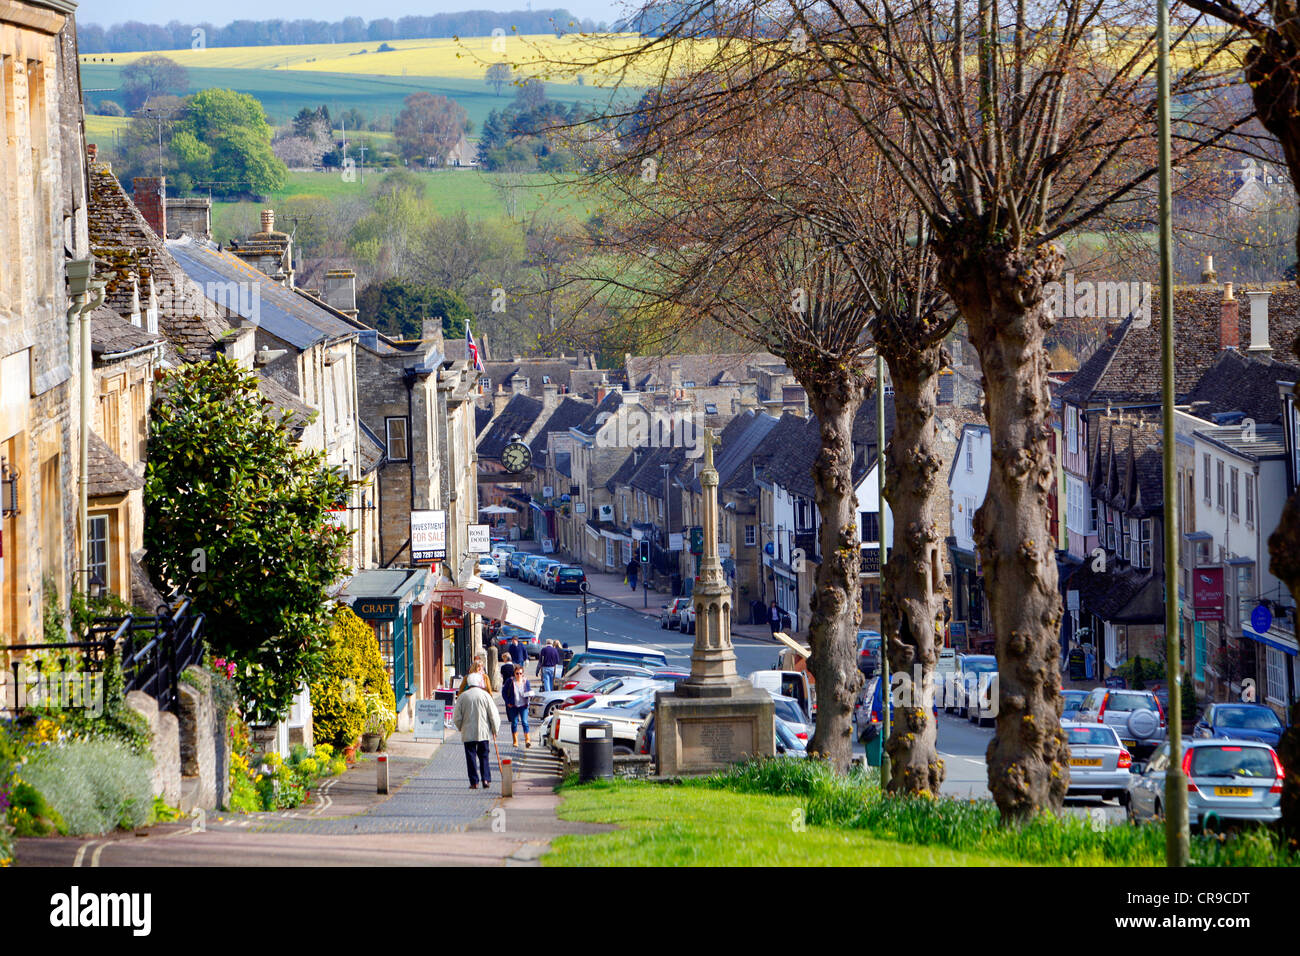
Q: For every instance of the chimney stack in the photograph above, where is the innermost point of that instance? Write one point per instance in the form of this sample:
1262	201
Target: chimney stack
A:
150	195
341	291
550	397
91	152
1229	321
1259	344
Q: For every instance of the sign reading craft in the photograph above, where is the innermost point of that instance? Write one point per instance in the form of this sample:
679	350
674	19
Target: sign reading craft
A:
428	536
375	609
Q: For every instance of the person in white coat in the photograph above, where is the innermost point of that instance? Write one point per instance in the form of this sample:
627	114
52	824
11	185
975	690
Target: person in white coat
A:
476	717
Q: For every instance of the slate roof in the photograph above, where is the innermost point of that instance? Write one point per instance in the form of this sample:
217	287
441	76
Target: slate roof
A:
608	406
649	476
515	419
372	449
739	438
623	473
788	430
568	413
1127	464
127	248
1120	595
109	474
1266	442
585	381
290	317
110	333
708	369
1240	383
1127	366
481	418
537	371
282	398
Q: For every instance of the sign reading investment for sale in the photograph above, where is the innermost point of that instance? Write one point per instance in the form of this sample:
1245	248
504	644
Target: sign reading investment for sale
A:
428	536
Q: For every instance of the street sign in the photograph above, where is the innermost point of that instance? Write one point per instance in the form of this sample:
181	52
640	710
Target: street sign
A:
548	491
584	609
724	549
1261	619
428	536
375	609
548	546
1207	594
675	541
480	539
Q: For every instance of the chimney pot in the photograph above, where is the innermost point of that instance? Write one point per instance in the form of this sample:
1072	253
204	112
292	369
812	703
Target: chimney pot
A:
92	151
1259	321
268	220
1207	273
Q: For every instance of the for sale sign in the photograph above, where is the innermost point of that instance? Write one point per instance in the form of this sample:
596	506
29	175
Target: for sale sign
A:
428	536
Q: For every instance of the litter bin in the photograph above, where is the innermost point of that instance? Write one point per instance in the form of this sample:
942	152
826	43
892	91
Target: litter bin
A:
874	744
595	751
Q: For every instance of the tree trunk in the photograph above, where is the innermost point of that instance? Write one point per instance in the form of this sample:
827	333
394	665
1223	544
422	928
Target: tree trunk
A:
1284	554
999	292
836	599
912	592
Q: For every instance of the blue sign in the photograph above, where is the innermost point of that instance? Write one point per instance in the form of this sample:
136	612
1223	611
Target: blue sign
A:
1261	619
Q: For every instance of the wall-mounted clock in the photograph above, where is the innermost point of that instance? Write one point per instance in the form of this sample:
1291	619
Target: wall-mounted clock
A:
516	457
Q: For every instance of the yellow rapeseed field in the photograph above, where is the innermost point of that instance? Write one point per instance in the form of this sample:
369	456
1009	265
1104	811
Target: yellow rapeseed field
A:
535	56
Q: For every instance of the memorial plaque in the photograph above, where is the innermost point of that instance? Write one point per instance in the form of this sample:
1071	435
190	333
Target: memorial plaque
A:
708	742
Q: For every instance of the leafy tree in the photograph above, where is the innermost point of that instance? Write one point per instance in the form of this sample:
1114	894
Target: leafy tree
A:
234	127
398	307
497	76
429	126
353	118
313	123
110	108
236	518
149	76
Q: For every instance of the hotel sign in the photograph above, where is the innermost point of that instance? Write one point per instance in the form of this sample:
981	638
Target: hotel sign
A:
428	536
375	609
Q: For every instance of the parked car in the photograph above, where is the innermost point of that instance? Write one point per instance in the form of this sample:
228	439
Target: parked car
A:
789	711
590	673
788	742
869	653
670	613
868	712
1070	701
560	730
487	569
686	618
543	702
974	686
514	563
569	579
1136	716
1099	763
501	554
545	569
510	632
548	576
535	568
636	654
788	684
1234	781
1239	722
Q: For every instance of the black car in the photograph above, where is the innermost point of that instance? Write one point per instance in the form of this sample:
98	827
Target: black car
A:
569	579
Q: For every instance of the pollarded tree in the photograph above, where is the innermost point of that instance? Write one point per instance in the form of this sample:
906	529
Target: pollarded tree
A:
1011	126
236	517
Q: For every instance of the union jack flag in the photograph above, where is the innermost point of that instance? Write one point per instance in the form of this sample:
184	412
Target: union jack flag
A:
472	350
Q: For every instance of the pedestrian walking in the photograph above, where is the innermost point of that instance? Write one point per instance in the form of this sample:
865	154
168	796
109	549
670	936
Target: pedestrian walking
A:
518	652
774	617
566	656
476	717
515	693
477	676
507	669
632	570
548	665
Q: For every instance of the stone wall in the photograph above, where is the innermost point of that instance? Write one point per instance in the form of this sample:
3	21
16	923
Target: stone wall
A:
164	744
204	751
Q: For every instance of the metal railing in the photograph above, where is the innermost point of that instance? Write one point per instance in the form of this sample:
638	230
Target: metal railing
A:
153	652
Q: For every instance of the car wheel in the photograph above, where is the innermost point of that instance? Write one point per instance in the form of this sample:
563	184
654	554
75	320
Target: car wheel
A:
1124	798
549	709
622	750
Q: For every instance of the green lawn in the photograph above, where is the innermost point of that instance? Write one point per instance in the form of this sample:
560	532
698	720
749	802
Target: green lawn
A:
692	825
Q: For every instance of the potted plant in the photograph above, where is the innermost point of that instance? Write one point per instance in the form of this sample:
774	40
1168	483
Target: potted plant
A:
379	720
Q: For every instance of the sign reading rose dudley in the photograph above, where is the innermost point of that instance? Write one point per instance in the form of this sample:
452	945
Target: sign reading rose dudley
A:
1207	593
428	536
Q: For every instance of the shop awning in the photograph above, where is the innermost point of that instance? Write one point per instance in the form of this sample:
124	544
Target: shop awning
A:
460	599
519	611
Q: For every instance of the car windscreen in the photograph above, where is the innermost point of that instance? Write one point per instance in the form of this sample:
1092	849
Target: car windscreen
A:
1082	736
1232	762
789	711
979	666
1119	700
570	573
1246	718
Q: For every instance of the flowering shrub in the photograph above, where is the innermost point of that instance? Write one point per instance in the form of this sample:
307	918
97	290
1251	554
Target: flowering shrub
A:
351	668
264	782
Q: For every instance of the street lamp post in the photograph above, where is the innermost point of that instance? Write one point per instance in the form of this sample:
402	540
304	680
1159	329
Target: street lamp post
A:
1176	837
885	697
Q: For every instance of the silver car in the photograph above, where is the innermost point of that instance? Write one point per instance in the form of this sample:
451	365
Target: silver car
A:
1099	764
1227	780
1136	716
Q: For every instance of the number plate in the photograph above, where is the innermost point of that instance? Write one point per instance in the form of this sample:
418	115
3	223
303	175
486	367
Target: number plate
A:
1085	762
1130	743
1233	791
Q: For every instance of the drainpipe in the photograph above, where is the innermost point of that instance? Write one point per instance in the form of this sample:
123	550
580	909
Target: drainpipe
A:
81	284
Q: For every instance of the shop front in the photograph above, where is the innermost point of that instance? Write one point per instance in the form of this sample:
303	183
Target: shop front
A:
391	601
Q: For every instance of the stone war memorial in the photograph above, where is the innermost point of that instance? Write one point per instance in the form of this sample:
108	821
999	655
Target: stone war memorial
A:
715	717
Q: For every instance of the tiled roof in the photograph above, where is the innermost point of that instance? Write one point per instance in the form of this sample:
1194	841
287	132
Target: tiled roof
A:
710	369
623	473
481	418
1265	441
110	333
1127	463
372	449
1127	367
290	317
539	371
608	406
585	381
791	466
129	249
1240	383
515	419
1119	595
282	398
743	434
776	443
109	474
568	413
649	476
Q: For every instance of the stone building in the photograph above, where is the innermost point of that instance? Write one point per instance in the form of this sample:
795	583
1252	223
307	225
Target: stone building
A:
43	201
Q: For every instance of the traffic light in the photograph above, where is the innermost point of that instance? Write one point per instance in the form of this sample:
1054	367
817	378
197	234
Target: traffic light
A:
643	546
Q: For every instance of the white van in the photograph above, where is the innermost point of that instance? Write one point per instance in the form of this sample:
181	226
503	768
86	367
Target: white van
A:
788	684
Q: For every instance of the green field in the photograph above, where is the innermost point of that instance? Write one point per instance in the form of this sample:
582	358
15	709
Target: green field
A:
284	92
